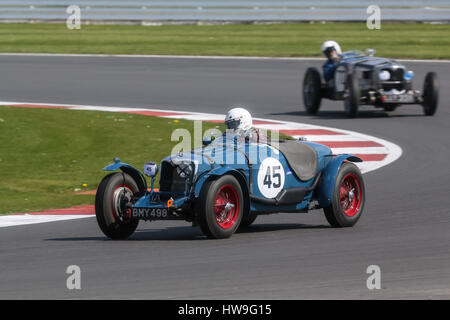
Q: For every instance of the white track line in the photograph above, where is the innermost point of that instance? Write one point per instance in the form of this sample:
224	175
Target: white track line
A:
19	220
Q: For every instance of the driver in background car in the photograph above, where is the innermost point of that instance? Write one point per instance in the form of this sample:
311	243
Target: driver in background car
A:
239	121
332	51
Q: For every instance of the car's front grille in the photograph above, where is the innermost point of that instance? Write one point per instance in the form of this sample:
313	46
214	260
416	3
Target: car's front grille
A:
367	74
396	74
170	180
386	86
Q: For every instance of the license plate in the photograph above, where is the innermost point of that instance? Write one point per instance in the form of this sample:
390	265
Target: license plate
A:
405	98
150	213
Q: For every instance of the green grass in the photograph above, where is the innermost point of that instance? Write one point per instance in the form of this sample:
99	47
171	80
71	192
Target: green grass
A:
45	154
288	40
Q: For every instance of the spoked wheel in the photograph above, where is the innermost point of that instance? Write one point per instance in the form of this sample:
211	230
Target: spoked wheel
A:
348	197
311	90
352	100
220	207
226	207
430	94
112	205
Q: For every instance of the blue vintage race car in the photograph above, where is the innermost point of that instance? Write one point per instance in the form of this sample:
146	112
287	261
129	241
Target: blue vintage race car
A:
228	182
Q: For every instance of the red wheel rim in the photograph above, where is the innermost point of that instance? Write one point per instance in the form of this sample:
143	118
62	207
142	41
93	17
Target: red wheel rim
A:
226	206
350	195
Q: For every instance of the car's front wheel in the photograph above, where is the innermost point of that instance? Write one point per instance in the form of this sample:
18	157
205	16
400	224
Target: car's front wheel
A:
221	207
348	197
352	100
114	195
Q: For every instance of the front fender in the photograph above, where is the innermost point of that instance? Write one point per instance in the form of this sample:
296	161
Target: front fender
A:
325	189
217	172
137	176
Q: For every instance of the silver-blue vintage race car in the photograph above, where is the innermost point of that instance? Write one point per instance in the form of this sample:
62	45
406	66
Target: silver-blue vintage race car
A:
228	182
361	79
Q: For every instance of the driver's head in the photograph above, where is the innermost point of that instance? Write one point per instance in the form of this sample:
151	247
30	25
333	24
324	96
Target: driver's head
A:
238	119
331	49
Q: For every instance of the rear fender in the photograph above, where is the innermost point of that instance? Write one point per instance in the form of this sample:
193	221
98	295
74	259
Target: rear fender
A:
325	189
137	176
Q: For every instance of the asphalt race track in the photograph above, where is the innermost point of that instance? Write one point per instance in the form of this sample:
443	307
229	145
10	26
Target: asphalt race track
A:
404	229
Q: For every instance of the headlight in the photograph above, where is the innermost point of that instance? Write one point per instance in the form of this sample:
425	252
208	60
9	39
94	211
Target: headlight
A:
384	75
150	169
409	75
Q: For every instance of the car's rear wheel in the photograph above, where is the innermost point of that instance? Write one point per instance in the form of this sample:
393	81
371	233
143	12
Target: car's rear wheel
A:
312	90
351	101
430	94
348	197
221	207
114	194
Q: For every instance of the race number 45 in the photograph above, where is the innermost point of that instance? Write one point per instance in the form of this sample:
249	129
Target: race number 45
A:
270	177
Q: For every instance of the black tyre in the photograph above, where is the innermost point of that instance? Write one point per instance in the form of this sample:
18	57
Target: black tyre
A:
113	217
221	207
247	220
430	94
348	197
353	98
312	90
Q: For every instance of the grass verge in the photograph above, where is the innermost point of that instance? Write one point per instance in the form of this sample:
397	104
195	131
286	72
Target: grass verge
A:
46	154
425	41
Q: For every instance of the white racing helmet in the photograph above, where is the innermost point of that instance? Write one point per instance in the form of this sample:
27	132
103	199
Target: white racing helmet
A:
327	46
238	118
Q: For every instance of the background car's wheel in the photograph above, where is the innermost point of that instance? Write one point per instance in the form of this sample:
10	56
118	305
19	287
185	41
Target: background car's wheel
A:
348	197
247	220
430	94
390	107
221	207
113	193
352	100
311	90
